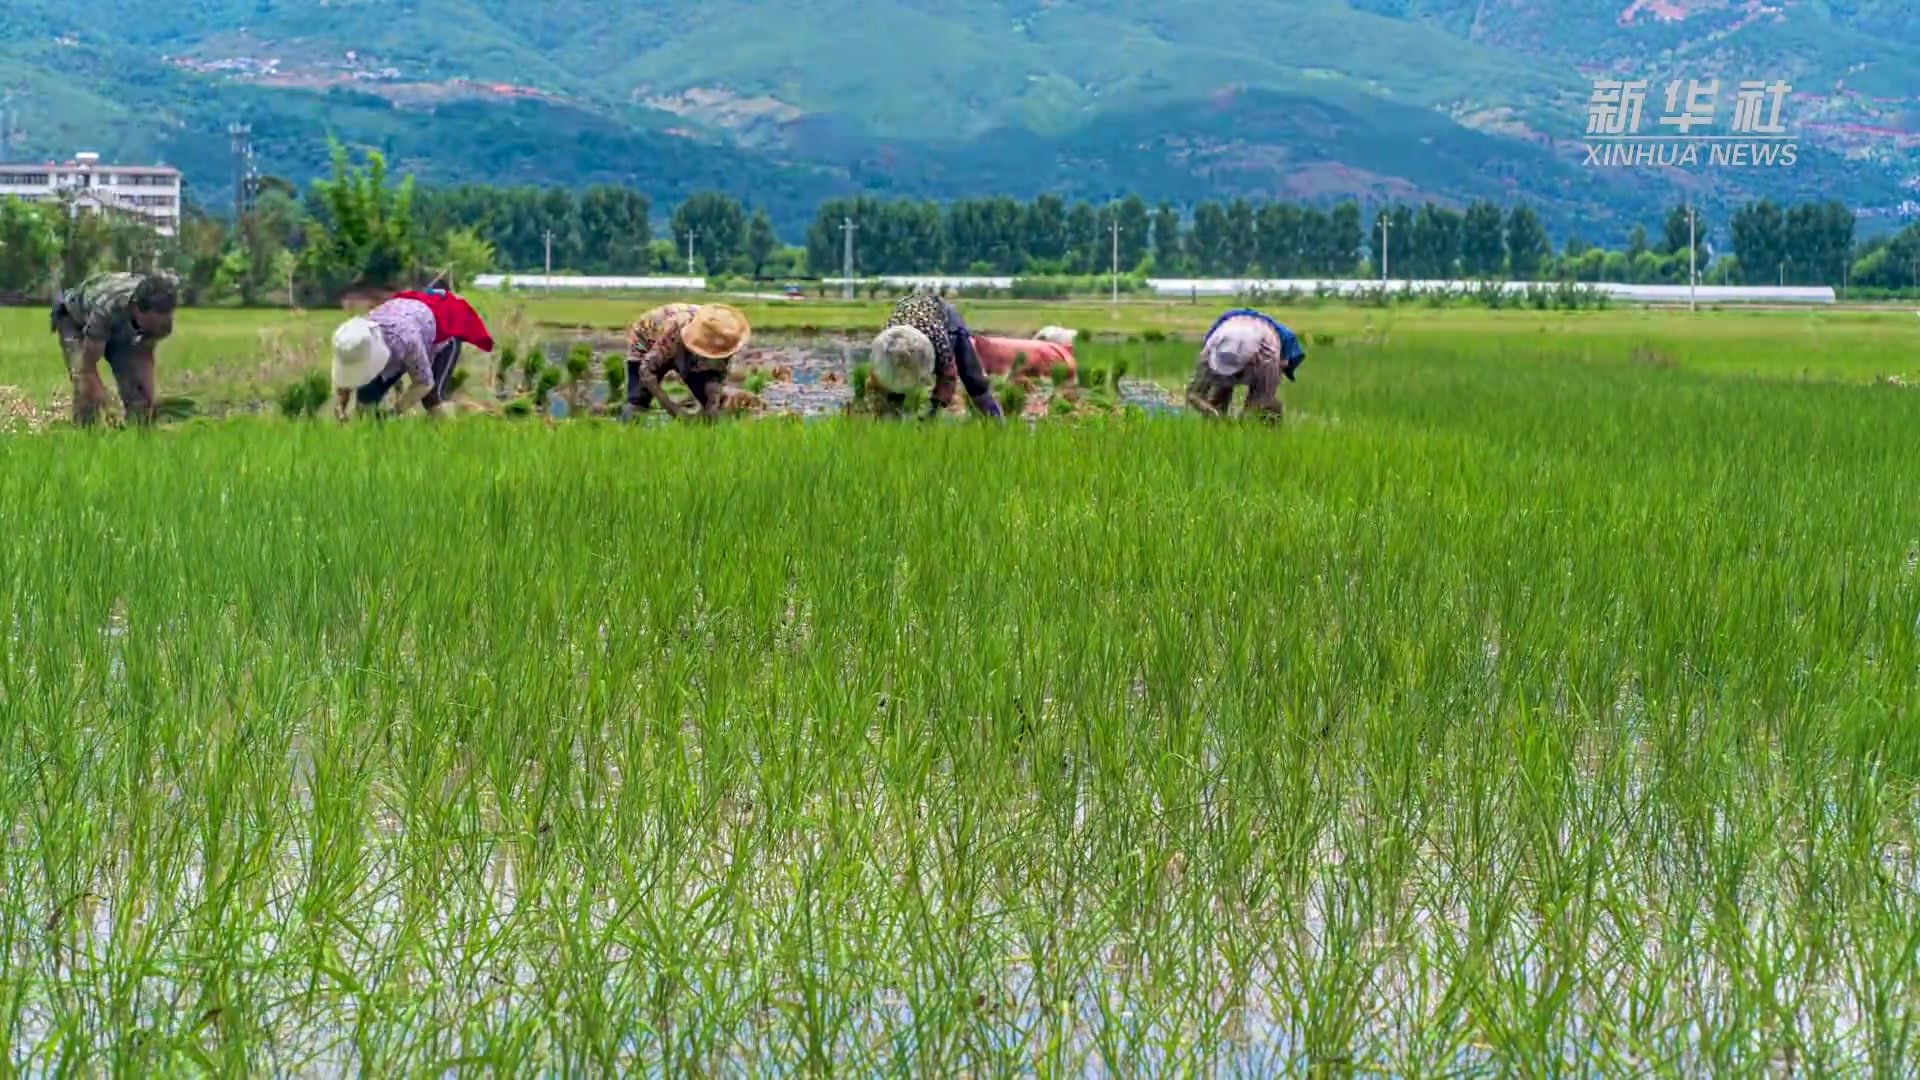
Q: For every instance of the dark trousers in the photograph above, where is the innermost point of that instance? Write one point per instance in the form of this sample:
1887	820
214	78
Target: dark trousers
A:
132	364
700	383
444	361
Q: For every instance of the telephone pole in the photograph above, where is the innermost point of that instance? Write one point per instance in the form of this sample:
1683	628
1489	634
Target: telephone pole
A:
846	258
1693	255
691	233
549	275
1115	225
1386	243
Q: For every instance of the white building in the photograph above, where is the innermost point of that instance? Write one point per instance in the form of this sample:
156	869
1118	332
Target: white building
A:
151	192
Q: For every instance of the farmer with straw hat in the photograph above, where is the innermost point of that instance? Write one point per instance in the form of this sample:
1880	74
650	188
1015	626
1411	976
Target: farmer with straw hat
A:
414	335
118	318
1244	348
697	341
926	340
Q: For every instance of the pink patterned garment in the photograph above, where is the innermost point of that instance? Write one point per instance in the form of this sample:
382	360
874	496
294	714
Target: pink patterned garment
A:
408	327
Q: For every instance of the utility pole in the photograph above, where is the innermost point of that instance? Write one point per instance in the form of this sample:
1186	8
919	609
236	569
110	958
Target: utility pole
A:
1116	259
1386	244
549	275
1693	261
691	233
846	258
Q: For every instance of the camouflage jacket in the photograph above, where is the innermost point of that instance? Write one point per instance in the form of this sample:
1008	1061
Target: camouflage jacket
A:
102	308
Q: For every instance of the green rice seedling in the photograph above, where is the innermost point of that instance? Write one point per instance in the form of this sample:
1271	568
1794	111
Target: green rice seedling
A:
532	363
1059	405
1153	335
858	380
519	407
1012	394
457	381
613	368
544	385
305	396
1531	711
174	407
1061	374
1120	369
757	381
579	362
1094	378
508	360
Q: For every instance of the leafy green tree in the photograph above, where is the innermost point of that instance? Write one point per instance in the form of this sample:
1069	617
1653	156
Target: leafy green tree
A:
1169	246
1338	244
1280	237
27	247
1483	242
1434	248
463	254
1674	230
1527	245
761	242
614	230
1083	240
1207	243
365	235
716	224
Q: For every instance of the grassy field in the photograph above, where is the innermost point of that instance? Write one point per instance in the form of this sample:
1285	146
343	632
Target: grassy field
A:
228	356
1539	700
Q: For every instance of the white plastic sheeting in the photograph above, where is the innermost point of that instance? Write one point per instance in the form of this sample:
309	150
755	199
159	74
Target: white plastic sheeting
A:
572	281
1174	288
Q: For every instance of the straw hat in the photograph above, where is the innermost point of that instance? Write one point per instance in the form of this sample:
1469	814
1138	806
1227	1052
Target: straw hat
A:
902	359
359	354
1232	348
715	332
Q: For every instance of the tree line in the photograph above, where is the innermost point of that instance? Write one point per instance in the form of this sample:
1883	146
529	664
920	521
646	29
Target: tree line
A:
360	228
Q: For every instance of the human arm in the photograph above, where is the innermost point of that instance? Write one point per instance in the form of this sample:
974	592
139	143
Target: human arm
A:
645	376
973	376
1203	392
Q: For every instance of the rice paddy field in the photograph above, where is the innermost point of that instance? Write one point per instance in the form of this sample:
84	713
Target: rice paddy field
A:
1540	699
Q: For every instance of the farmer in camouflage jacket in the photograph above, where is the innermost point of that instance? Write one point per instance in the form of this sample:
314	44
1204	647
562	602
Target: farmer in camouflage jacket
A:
118	318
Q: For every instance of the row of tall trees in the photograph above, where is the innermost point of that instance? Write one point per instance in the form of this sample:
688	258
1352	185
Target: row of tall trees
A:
359	227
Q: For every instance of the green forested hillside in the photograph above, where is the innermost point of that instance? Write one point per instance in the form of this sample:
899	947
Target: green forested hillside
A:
782	105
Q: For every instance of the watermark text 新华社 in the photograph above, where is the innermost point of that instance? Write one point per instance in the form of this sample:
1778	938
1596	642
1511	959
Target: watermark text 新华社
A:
1685	134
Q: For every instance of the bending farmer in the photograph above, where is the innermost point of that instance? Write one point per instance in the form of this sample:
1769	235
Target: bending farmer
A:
698	341
413	334
925	337
119	318
1244	348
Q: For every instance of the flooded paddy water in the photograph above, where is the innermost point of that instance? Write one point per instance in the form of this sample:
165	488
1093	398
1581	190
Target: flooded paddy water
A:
808	375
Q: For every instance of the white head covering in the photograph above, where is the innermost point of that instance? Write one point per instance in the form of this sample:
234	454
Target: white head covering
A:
902	359
1233	347
359	354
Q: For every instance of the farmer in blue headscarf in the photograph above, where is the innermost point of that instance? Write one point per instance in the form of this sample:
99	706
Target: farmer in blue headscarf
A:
1244	348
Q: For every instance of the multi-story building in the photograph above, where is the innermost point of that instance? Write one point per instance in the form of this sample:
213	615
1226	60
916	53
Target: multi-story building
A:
148	192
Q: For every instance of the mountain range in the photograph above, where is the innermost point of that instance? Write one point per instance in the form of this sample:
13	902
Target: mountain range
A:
784	105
